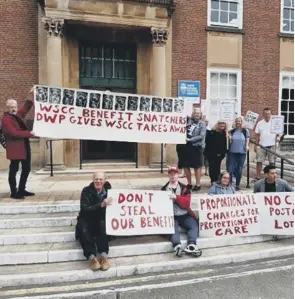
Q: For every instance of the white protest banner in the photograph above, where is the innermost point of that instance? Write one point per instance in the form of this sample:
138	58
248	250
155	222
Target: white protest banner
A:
139	212
227	111
277	124
229	215
250	120
276	213
93	115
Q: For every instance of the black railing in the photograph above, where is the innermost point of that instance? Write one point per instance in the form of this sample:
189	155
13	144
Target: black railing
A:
283	159
50	147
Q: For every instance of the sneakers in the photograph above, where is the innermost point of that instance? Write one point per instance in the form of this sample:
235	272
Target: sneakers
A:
178	250
94	264
193	250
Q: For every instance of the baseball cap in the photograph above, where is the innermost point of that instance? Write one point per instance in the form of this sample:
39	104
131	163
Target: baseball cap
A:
172	168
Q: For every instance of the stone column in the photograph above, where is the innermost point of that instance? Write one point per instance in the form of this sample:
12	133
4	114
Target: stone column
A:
158	77
54	30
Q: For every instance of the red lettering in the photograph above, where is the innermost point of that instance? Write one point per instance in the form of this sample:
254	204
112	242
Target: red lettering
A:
46	108
150	211
142	222
121	198
110	123
287	201
48	118
271	200
115	224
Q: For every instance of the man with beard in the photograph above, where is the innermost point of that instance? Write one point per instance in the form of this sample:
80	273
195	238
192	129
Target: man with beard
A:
18	148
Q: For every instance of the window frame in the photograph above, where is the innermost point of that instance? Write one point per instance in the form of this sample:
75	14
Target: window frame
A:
282	19
284	74
238	73
239	12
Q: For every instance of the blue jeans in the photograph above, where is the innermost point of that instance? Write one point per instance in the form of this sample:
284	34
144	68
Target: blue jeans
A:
188	223
235	165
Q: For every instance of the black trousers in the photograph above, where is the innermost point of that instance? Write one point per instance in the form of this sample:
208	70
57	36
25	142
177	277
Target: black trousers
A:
214	167
13	169
93	237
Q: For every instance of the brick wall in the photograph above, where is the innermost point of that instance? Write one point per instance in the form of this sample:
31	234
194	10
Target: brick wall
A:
189	49
261	55
18	50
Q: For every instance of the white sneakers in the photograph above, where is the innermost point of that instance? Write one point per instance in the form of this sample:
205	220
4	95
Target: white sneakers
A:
190	249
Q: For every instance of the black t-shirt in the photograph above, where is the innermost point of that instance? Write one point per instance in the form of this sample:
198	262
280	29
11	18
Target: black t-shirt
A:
190	128
270	187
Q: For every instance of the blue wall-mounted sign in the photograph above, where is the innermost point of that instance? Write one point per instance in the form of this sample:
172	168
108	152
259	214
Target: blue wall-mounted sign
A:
190	90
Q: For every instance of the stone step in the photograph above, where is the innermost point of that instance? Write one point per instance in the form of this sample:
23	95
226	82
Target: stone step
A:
107	171
37	220
69	272
108	165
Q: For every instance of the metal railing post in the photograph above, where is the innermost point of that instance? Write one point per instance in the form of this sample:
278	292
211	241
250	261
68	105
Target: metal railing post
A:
81	154
136	155
248	170
282	168
51	158
162	157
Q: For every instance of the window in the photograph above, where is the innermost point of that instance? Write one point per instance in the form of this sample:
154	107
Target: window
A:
286	103
227	13
287	16
224	90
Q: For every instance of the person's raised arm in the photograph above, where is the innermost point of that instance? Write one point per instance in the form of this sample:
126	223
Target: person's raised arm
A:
25	108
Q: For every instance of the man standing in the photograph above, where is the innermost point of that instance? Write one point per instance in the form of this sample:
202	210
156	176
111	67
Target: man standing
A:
267	139
91	227
196	133
270	183
18	148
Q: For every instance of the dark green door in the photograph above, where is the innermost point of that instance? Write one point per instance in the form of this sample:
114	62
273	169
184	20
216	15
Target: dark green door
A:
108	67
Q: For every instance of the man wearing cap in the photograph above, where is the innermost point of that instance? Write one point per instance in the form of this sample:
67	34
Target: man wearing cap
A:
183	214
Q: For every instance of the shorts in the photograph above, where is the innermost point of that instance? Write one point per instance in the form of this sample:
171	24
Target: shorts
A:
193	157
262	155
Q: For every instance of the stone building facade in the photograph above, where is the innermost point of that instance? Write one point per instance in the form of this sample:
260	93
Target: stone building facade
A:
238	50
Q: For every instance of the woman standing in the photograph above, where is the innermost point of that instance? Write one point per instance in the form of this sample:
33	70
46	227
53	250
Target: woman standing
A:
223	186
216	148
238	148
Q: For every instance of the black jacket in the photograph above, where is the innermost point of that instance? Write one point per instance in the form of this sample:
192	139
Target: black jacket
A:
215	144
90	202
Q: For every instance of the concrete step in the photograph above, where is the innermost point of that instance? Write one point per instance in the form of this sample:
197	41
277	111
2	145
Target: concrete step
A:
107	171
37	220
69	272
108	165
70	250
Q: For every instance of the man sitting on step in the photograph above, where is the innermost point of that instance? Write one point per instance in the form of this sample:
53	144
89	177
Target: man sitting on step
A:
91	229
183	214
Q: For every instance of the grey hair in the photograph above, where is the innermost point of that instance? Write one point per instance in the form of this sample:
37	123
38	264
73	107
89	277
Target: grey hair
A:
99	173
10	102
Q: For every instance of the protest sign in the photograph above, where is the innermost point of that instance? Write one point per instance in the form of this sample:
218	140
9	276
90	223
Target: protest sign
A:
277	124
227	111
229	215
139	212
190	91
250	120
276	213
94	115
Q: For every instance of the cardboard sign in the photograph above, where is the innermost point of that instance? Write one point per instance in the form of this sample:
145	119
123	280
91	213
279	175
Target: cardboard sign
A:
227	111
277	124
229	215
250	120
139	212
94	115
277	214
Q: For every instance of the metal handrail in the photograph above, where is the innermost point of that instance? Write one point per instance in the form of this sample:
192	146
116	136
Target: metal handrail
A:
50	152
269	151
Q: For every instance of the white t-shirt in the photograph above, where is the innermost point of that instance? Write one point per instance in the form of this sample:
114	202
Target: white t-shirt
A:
266	138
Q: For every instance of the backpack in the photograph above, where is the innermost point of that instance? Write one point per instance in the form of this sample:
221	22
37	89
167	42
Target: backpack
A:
244	131
2	139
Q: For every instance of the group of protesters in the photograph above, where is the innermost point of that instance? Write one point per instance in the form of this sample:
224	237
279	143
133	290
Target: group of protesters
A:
203	145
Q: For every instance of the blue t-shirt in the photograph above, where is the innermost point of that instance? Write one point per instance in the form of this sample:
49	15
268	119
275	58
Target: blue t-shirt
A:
238	142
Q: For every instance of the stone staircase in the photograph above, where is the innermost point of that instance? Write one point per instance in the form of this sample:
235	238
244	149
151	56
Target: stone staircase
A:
38	246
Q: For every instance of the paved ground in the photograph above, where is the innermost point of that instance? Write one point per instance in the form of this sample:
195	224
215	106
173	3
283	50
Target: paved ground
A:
264	279
68	187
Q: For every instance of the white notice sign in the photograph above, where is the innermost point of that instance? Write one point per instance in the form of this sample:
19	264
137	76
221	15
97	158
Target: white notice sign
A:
277	124
139	212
